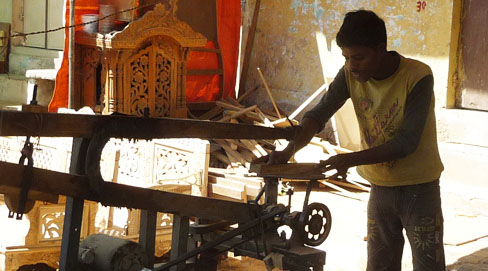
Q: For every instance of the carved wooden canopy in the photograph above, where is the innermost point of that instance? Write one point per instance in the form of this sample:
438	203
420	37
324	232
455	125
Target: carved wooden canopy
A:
158	22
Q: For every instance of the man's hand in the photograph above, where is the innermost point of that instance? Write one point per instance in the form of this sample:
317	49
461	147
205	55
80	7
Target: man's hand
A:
340	162
274	158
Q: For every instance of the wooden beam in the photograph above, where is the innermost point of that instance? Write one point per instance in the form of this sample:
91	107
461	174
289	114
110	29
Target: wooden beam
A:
290	171
15	123
119	195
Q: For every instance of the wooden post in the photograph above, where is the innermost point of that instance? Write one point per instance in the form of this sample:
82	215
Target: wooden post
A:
179	240
71	56
73	211
271	191
249	44
147	234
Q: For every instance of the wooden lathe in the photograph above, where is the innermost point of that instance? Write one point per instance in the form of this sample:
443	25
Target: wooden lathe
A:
219	225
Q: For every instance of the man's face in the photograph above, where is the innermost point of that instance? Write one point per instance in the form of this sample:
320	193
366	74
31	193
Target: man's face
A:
363	62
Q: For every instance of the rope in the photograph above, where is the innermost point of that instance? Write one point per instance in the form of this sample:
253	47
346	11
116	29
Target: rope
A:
24	35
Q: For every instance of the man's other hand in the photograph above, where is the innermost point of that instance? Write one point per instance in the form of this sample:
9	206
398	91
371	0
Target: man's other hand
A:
341	163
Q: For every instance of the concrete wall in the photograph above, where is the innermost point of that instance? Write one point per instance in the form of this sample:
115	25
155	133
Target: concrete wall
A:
6	11
295	46
288	31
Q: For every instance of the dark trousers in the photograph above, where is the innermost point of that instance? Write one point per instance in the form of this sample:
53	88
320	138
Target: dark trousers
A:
415	208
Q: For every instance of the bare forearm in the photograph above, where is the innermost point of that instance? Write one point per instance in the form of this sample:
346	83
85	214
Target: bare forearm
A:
308	129
378	154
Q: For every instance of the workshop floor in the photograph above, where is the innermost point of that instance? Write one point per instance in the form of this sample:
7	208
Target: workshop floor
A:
465	215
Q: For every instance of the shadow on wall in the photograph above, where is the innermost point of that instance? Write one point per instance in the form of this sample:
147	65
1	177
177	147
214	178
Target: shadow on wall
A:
477	261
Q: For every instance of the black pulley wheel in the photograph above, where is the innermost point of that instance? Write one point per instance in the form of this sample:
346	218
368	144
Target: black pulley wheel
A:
316	222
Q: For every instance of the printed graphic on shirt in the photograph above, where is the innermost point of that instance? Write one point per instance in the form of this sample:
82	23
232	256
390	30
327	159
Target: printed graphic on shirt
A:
383	128
365	104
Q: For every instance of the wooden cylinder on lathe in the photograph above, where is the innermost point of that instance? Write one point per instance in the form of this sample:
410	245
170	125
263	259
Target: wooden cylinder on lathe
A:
107	253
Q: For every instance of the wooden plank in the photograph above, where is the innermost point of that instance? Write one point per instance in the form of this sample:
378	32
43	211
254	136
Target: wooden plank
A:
263	118
343	191
221	157
120	195
232	152
247	154
233	101
360	186
349	185
249	181
238	114
211	113
338	188
254	148
228	191
285	122
290	171
238	144
228	106
227	182
16	123
251	190
257	144
245	95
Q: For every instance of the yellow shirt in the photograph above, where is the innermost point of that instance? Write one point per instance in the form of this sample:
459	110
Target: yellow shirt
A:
379	107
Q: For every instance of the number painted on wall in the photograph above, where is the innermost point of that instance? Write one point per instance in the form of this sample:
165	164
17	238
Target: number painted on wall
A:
421	5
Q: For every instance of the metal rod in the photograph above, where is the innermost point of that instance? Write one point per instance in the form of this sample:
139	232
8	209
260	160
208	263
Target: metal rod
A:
71	55
307	194
217	241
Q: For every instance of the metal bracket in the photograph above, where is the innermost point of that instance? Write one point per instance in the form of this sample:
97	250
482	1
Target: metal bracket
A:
27	151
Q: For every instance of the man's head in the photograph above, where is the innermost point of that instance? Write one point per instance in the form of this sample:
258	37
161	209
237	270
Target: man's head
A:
362	38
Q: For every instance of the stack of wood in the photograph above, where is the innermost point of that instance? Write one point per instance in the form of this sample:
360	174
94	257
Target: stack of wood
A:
233	153
231	184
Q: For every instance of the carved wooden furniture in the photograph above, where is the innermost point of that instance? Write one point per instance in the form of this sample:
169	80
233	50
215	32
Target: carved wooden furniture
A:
142	67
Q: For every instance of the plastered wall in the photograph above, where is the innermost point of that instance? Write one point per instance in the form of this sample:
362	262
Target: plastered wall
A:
295	44
6	11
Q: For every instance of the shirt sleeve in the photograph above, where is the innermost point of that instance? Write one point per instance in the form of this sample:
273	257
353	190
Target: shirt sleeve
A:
417	107
331	101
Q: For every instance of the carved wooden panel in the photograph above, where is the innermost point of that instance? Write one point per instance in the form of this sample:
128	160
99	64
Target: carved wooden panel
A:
139	77
47	154
10	149
51	220
16	258
165	76
153	82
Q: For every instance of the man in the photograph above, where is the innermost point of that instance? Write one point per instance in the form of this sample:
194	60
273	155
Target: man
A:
394	103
